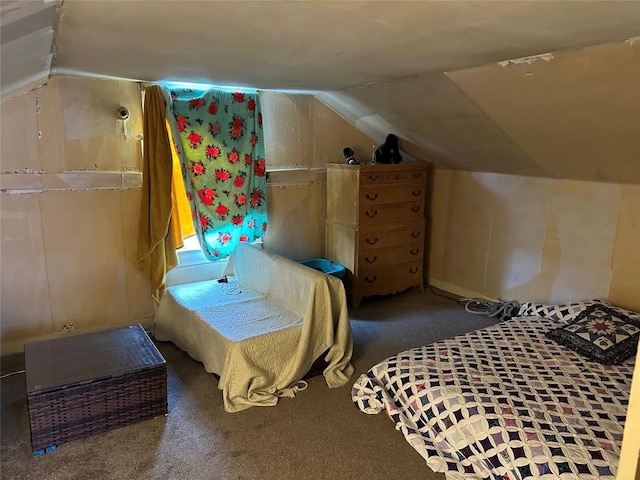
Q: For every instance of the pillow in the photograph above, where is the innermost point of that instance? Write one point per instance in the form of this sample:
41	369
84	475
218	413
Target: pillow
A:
601	333
564	312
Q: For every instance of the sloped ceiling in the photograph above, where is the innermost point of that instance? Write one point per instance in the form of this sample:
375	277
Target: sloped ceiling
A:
434	72
26	34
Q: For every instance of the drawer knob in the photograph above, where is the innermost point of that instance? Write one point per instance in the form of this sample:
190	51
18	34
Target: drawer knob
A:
415	208
415	251
413	270
371	241
416	193
417	174
371	260
371	213
415	234
373	178
371	196
371	278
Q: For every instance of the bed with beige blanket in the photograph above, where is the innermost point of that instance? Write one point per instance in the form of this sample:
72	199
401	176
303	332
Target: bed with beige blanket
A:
262	329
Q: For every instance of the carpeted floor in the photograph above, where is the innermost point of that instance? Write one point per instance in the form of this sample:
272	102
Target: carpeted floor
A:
318	435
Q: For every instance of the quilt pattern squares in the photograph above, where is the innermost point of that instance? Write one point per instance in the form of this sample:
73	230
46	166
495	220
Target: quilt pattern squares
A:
503	403
567	312
563	312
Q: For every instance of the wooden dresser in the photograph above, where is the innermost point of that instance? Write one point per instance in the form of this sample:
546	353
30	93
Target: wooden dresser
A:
375	226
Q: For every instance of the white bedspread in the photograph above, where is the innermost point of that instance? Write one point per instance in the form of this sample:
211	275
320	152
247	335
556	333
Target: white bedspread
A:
261	331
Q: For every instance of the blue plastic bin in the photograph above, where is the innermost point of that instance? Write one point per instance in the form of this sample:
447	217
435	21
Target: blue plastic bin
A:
325	266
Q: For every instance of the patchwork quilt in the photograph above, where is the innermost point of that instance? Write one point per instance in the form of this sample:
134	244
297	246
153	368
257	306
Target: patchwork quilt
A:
504	403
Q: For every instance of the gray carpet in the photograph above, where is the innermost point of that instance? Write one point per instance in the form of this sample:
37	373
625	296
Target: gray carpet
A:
319	434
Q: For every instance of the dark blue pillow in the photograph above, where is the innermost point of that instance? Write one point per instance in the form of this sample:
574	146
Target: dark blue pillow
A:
600	333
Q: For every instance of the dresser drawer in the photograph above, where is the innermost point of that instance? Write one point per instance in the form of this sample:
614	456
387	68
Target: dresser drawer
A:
389	237
381	194
386	257
379	281
393	176
390	212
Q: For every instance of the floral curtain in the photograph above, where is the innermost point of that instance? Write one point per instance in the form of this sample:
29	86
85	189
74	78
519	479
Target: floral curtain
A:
221	151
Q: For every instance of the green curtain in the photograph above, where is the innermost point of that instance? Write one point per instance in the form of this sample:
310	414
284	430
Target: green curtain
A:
221	151
156	247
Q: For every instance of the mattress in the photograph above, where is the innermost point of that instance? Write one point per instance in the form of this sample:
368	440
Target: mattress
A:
503	403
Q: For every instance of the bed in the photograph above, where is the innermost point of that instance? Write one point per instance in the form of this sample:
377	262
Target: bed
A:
506	403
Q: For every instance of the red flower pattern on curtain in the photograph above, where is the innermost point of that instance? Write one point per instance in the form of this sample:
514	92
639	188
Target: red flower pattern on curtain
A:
221	151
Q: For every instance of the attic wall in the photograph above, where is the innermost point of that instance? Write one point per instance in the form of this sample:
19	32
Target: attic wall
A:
69	210
301	136
535	239
573	114
70	196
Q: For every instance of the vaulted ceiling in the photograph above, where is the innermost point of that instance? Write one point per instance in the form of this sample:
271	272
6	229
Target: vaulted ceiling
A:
449	77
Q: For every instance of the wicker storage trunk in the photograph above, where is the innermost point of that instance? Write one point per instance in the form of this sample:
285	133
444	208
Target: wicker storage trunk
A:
86	384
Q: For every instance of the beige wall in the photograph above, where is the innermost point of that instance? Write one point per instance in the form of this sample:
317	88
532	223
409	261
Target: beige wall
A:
301	136
71	190
69	210
535	239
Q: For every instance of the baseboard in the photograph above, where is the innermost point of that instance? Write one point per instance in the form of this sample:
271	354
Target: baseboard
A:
454	289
